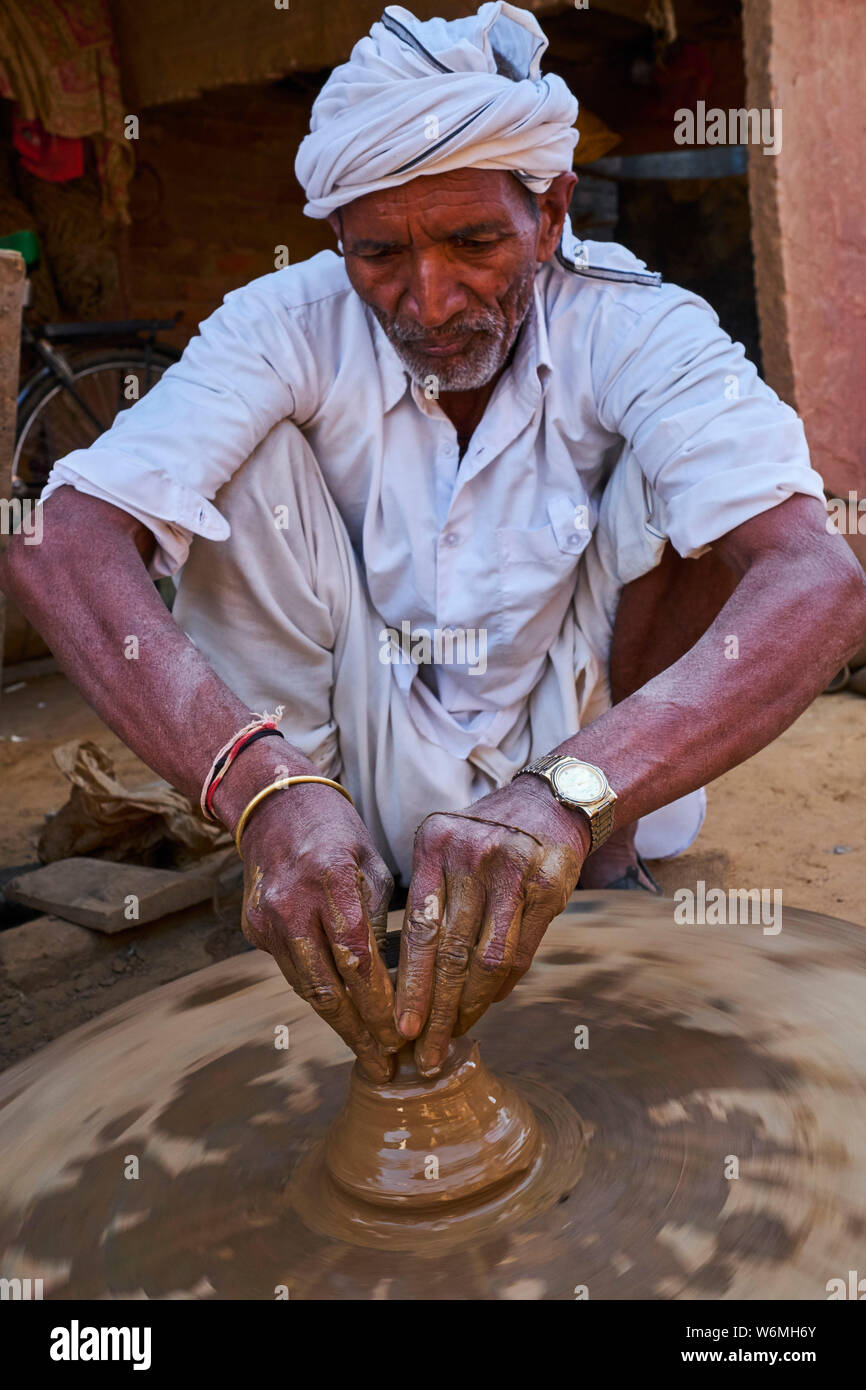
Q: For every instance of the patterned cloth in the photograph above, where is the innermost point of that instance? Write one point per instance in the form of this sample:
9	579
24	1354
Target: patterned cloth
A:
59	62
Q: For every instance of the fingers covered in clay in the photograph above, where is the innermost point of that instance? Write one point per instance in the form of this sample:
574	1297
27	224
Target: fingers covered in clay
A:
311	905
306	962
307	966
318	982
493	959
462	927
483	893
422	924
465	897
349	930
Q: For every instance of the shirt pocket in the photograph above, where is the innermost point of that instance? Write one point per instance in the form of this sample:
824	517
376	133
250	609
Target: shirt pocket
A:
537	573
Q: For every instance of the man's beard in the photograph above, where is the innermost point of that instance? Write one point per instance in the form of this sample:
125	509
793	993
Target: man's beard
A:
494	334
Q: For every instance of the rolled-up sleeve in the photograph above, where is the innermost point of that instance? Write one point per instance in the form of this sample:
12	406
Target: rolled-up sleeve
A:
165	458
715	443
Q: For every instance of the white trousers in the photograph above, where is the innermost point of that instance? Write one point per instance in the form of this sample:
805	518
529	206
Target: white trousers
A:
284	617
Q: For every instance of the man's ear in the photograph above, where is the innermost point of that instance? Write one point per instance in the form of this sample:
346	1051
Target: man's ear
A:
337	227
553	205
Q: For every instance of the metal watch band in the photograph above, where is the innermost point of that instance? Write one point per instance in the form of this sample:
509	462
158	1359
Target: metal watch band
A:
601	825
542	764
600	821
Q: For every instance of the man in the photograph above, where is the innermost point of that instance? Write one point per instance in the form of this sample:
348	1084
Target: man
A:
467	421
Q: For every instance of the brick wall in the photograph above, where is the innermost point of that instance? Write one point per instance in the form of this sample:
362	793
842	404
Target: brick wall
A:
214	194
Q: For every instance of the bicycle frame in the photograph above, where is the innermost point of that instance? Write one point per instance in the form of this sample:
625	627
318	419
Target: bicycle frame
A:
54	364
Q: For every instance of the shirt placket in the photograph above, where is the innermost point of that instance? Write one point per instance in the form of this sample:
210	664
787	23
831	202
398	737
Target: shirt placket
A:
450	535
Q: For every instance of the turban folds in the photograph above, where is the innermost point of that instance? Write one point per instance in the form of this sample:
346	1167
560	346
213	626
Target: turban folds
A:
422	97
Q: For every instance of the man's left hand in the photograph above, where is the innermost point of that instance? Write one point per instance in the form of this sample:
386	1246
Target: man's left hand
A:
487	882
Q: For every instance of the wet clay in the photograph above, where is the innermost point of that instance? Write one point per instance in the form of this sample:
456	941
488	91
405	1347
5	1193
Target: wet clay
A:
697	1096
431	1162
418	1143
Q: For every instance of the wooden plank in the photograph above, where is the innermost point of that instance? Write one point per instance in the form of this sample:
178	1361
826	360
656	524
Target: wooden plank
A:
30	670
106	896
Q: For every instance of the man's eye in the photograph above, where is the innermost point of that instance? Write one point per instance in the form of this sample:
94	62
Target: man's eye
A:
471	243
376	255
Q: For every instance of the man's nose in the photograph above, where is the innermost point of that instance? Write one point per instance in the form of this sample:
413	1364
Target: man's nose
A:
432	296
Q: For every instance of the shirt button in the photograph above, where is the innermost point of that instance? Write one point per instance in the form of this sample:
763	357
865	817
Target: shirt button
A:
450	450
450	538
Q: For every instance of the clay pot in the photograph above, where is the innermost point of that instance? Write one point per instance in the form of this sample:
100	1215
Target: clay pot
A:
419	1142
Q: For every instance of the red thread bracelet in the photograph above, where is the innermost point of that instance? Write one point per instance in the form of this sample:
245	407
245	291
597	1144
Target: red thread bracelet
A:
260	724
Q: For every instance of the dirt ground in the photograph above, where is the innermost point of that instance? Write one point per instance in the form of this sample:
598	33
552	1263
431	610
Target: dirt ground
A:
791	818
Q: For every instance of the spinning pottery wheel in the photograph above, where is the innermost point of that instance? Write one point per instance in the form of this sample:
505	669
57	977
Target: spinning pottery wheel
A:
590	1148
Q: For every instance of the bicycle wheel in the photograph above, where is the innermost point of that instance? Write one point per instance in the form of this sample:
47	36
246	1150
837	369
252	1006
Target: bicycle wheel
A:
51	422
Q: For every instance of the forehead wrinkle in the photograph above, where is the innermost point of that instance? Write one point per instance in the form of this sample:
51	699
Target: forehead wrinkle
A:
452	195
488	227
422	227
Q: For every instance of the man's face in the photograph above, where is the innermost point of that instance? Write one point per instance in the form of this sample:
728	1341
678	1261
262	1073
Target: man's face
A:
447	263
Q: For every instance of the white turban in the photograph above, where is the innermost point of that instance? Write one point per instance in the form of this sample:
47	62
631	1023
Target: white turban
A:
421	97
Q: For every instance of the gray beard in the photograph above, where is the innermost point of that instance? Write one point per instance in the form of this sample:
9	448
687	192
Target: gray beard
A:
494	335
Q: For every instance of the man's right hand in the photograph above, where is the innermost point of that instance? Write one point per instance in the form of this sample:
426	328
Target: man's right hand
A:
316	890
316	896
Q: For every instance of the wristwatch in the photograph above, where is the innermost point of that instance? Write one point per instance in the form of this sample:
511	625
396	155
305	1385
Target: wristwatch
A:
581	785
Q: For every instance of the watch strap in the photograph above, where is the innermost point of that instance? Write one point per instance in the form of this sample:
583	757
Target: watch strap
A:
600	819
601	825
543	764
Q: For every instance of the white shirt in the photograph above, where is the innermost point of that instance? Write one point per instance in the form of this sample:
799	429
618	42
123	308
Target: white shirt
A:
608	362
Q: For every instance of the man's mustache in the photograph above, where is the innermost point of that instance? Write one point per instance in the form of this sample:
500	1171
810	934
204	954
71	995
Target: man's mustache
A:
405	334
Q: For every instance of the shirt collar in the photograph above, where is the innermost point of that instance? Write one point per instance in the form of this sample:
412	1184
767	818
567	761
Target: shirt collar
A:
392	373
532	360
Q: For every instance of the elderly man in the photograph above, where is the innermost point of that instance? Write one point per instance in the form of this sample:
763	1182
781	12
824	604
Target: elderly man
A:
468	422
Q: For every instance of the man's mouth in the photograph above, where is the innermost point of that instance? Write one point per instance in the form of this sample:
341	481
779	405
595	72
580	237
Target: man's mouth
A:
439	347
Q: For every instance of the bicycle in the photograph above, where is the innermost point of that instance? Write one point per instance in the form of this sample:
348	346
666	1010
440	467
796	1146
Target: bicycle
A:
71	391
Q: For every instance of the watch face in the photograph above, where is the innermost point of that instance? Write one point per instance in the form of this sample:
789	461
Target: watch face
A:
579	782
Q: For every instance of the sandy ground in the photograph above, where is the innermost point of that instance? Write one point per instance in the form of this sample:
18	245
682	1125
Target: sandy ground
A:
792	818
44	713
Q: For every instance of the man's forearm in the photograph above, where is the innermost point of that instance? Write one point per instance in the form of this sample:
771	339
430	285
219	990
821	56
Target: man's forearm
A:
87	591
796	615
